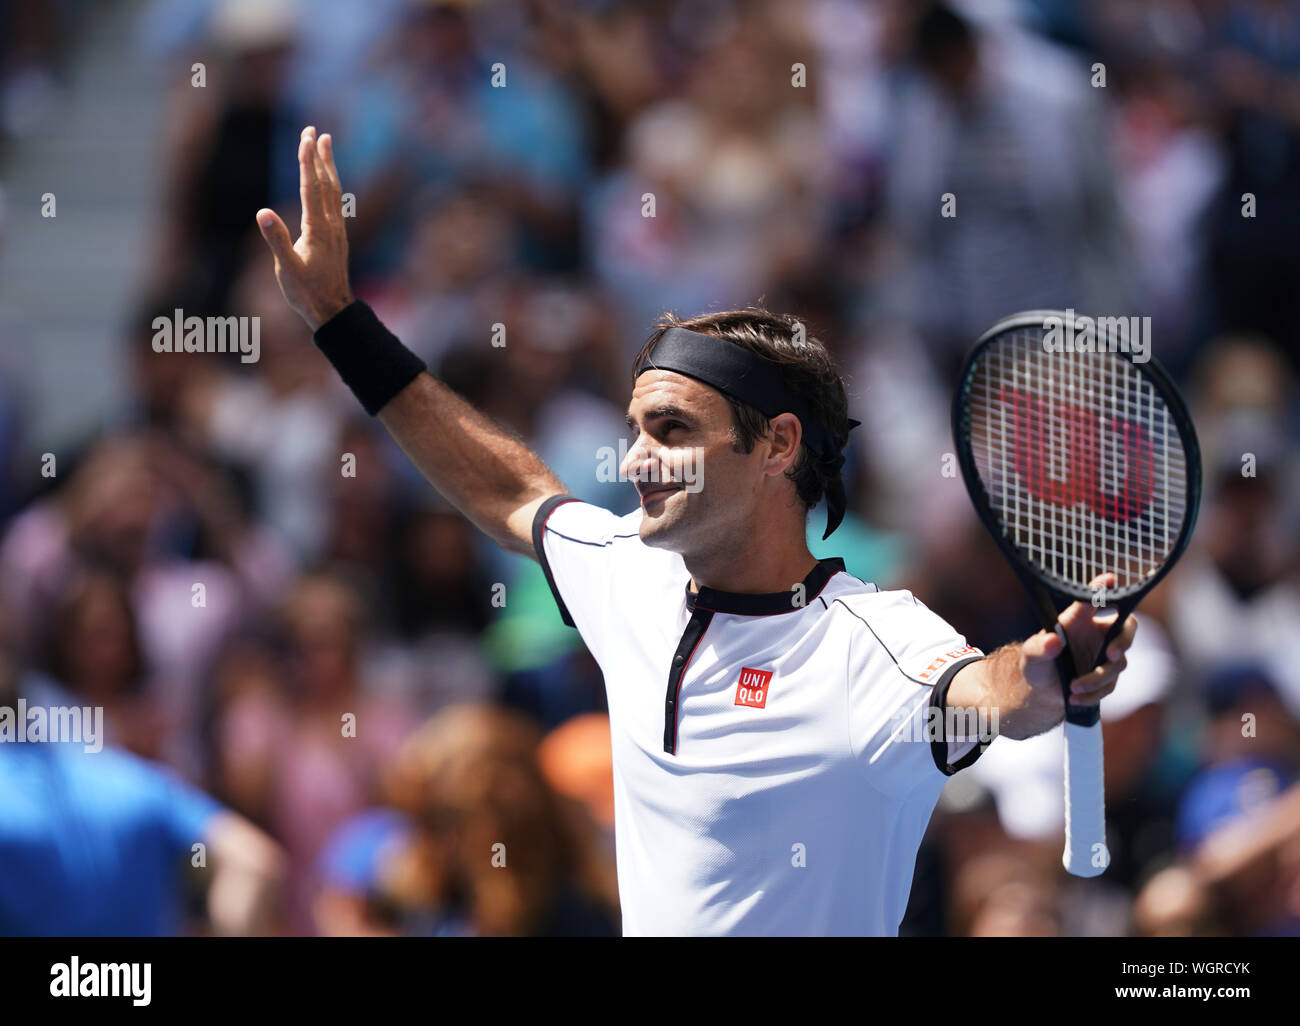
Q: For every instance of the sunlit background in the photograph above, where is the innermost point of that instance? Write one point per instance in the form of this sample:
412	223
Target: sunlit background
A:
1116	158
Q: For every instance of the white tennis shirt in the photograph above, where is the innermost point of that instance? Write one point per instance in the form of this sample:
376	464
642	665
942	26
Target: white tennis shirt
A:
773	774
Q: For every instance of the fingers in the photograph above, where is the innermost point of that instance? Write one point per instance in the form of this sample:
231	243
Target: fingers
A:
322	176
318	180
329	172
1087	625
1123	640
1106	580
1043	645
277	236
1092	687
326	150
310	189
317	285
1098	584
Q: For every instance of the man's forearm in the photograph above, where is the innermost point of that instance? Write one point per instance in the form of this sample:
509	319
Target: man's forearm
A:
1023	683
998	682
479	467
483	470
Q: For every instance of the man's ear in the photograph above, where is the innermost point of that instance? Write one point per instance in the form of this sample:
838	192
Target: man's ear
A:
784	438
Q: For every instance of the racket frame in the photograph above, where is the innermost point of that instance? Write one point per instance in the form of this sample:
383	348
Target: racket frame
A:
1049	600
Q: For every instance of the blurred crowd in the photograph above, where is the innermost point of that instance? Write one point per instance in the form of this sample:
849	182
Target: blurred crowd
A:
375	720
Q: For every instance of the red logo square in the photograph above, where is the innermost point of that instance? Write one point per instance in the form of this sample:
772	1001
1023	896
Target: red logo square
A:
752	688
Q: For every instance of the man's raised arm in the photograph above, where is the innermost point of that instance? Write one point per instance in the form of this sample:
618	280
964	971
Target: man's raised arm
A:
483	470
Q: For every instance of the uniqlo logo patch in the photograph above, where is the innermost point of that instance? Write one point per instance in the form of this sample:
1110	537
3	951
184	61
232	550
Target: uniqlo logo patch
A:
753	686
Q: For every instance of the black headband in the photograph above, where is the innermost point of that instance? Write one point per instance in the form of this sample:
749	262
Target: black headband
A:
744	375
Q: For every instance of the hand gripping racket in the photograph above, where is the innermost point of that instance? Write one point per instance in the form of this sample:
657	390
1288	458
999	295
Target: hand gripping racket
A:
1079	464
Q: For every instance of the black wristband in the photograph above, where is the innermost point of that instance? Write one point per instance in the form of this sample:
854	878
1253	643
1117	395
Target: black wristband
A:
370	359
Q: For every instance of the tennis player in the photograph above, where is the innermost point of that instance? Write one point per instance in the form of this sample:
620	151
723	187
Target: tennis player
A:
779	728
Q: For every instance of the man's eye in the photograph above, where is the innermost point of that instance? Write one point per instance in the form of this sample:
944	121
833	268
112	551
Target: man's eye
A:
662	428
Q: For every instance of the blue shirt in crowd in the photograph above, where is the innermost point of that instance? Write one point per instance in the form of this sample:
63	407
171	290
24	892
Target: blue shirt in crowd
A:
93	843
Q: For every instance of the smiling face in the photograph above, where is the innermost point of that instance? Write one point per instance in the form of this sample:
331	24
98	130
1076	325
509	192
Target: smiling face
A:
699	493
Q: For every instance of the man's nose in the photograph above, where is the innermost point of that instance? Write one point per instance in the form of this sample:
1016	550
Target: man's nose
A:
639	463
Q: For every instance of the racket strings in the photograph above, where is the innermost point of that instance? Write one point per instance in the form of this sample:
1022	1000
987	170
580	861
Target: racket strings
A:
1080	460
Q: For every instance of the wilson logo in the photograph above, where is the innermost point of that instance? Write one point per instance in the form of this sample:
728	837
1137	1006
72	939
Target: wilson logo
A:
1068	456
752	688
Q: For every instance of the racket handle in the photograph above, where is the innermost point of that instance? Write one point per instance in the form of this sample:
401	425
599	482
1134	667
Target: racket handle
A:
1085	802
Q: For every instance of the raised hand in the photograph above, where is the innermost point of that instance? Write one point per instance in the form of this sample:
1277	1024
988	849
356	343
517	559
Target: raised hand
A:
312	272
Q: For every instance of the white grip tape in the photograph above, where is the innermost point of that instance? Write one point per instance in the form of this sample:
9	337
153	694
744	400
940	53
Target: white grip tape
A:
1085	802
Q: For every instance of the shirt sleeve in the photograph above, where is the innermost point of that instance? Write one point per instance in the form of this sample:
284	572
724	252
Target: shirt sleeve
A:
903	662
576	545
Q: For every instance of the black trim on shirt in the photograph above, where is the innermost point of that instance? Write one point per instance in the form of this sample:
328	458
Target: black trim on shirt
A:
543	514
771	603
939	747
695	628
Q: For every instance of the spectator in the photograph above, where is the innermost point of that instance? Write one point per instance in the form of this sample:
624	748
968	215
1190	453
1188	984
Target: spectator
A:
98	843
355	870
502	854
303	740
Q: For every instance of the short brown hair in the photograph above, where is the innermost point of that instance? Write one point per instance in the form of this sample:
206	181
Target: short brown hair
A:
808	368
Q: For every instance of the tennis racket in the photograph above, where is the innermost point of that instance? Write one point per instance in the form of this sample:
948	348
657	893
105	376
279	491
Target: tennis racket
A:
1079	464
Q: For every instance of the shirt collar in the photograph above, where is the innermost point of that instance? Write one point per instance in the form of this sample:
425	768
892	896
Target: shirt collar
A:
769	604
